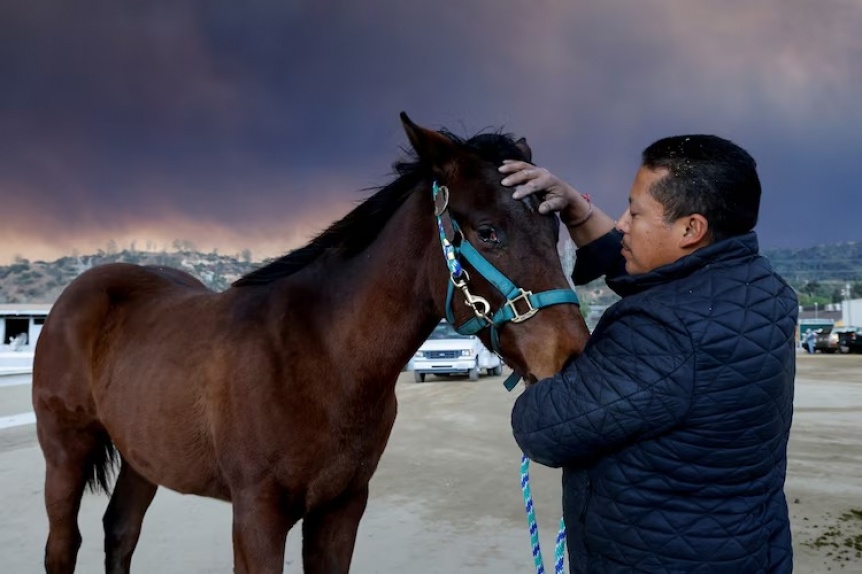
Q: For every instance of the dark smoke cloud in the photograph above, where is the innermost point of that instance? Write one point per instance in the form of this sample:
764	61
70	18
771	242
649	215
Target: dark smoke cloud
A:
256	124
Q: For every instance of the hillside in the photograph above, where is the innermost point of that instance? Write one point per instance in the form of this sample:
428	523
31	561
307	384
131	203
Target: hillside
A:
820	274
837	262
42	282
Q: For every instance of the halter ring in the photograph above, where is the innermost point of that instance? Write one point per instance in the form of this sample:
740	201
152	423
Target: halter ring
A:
525	297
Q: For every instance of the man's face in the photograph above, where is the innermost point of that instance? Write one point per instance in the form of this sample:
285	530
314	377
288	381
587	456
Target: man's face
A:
648	241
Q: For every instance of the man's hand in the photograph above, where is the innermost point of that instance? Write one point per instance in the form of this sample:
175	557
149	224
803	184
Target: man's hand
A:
556	195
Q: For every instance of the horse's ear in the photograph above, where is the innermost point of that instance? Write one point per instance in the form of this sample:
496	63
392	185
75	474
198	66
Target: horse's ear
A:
431	147
522	145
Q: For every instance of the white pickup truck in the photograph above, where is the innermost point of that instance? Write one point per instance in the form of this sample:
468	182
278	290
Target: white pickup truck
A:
447	352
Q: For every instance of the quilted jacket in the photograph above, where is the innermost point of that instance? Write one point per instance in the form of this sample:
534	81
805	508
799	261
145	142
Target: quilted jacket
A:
672	426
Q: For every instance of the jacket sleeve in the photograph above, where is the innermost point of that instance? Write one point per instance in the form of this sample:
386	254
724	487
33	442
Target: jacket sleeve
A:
599	257
632	382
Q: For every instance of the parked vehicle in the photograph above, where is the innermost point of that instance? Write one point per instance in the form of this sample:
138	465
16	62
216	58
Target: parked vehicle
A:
836	339
447	352
850	340
826	341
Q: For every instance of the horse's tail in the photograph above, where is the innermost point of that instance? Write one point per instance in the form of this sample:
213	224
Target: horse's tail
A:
101	463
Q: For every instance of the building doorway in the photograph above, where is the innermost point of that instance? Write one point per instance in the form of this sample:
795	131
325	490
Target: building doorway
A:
15	328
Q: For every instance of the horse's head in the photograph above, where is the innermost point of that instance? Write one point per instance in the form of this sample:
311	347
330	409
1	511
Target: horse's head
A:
503	278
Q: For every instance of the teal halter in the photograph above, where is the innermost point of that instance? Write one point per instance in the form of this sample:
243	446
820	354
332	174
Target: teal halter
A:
520	304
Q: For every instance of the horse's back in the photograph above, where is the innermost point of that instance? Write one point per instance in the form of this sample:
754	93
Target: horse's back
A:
123	280
176	275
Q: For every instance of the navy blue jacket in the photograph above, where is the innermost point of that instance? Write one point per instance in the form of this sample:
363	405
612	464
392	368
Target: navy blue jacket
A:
672	426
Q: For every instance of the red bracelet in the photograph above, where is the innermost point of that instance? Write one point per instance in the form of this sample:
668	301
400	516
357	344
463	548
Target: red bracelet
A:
586	217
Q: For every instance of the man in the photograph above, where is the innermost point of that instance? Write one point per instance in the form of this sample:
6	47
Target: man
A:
672	426
810	337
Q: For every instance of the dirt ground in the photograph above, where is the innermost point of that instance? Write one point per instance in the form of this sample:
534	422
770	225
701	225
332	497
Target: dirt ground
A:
446	497
824	475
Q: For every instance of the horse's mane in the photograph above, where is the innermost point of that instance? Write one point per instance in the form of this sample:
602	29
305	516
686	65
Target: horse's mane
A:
359	228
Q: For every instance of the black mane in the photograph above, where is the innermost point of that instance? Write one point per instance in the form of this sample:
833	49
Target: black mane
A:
359	228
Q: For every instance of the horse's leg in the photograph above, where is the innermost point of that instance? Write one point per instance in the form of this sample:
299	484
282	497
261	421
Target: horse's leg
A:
67	463
130	501
329	534
260	526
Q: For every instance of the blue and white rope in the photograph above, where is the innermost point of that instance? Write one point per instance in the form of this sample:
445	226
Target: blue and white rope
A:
560	546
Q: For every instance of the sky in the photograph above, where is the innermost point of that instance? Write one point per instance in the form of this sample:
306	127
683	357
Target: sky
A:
254	125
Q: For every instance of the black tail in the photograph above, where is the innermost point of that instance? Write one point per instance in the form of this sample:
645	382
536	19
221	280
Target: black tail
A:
102	464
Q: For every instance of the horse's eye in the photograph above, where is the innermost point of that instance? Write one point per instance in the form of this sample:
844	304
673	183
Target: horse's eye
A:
488	234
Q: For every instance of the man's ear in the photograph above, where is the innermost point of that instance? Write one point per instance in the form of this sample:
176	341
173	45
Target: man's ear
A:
695	232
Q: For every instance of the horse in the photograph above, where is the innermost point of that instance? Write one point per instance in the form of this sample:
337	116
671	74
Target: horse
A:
277	394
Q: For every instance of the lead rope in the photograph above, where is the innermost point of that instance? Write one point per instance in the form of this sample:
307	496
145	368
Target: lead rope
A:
560	545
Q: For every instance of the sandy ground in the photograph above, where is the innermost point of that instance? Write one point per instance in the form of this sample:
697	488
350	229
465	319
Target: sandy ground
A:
446	497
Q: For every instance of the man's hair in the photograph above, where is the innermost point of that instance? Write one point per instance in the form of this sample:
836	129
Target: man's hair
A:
707	175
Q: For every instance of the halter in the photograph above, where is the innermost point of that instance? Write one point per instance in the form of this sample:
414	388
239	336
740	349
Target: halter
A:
520	304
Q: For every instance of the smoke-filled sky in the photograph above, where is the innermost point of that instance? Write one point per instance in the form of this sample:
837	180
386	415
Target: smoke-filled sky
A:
255	124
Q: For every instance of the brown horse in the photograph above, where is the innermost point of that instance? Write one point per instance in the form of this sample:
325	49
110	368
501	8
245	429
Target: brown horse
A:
278	394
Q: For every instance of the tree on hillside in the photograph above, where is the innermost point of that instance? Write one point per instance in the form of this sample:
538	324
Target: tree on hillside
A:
811	288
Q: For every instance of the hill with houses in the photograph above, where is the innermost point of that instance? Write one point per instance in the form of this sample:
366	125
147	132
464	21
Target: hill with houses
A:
27	281
822	274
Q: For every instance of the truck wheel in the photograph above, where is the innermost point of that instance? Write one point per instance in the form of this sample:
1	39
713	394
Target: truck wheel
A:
474	374
420	377
497	371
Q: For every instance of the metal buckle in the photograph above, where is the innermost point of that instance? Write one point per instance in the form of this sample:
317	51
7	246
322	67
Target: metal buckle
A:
520	317
441	200
473	301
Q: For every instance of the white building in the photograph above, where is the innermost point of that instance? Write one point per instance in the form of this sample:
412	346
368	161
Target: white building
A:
851	312
20	325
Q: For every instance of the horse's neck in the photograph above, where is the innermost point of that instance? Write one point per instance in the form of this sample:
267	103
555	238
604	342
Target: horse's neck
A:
377	306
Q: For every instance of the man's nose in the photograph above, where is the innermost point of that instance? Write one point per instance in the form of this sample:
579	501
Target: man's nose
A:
622	223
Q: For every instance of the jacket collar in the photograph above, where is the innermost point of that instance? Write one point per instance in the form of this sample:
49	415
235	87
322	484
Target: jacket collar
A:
737	247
